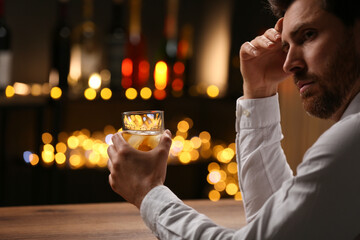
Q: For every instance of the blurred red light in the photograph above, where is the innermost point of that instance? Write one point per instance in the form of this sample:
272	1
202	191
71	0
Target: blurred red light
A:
126	82
177	84
127	67
179	68
159	94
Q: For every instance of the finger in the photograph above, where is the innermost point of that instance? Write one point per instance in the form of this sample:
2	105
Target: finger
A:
109	165
262	42
272	34
111	151
118	139
248	51
112	182
166	139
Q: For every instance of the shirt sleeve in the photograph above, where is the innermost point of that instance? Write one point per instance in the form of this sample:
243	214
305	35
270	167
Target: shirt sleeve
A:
321	202
262	165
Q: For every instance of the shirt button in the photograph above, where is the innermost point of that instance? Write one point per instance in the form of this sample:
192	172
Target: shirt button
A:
246	113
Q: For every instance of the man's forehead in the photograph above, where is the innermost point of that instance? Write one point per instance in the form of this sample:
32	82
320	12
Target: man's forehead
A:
301	12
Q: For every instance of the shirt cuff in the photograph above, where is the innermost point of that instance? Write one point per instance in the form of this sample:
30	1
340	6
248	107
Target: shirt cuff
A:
153	203
257	113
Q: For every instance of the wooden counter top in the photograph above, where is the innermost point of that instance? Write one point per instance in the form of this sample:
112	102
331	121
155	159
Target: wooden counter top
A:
100	221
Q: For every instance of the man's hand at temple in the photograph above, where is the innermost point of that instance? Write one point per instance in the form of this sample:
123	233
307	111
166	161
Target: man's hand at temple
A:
134	173
261	63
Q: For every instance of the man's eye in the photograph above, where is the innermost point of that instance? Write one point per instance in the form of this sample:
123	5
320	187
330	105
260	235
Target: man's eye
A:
308	35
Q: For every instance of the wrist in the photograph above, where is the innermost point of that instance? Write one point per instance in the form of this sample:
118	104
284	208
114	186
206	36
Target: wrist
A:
262	92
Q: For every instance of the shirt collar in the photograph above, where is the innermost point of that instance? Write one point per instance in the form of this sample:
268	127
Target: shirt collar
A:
354	107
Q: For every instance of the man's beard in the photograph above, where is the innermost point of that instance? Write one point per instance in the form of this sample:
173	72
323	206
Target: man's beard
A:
336	84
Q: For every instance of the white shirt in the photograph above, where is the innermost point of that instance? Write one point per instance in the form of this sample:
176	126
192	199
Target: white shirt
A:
321	202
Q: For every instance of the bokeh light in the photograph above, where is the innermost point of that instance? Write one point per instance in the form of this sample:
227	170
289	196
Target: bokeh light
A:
212	91
55	93
9	91
106	93
131	93
90	94
145	93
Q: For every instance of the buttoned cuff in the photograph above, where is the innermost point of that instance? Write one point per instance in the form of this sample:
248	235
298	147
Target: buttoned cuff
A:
257	113
157	199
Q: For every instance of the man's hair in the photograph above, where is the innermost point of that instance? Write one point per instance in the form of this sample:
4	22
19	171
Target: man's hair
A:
347	10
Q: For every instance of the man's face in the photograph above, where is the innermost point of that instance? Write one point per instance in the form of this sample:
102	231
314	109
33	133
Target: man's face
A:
322	58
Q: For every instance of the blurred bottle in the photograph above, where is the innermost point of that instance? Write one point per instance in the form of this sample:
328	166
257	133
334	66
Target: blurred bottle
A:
116	44
61	49
184	56
85	51
5	50
168	51
135	68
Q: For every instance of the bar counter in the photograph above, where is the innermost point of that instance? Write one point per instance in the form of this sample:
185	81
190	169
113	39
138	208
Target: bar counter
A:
100	220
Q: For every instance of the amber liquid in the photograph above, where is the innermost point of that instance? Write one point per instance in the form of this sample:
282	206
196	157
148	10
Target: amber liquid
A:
142	140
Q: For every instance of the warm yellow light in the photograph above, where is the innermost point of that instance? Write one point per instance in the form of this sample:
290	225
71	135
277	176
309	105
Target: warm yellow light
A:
131	93
190	122
226	155
49	148
47	156
88	144
36	89
46	138
205	136
214	195
194	155
232	146
214	177
34	159
213	166
185	157
109	129
60	158
195	142
73	142
223	175
232	168
106	93
95	81
182	134
160	75
75	161
145	93
55	92
183	126
220	186
21	88
217	151
94	157
90	94
231	189
61	147
212	91
238	196
187	146
9	91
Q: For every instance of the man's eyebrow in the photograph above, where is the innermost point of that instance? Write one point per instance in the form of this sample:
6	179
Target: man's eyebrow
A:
294	32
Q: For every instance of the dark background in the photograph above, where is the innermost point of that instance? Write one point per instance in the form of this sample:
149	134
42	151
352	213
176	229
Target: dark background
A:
23	121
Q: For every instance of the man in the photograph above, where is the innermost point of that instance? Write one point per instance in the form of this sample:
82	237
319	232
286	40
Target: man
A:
317	44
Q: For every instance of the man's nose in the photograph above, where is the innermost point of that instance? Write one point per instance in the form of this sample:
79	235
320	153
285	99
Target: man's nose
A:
294	61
